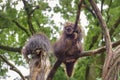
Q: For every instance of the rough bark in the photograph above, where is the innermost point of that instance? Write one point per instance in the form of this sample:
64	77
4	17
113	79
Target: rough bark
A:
39	68
114	68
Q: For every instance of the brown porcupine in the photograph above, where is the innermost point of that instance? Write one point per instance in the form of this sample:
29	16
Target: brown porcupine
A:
69	45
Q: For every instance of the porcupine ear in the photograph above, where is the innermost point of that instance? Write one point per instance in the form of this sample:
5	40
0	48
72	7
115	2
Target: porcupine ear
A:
69	68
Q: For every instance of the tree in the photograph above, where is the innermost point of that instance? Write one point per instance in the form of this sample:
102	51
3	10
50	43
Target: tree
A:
17	25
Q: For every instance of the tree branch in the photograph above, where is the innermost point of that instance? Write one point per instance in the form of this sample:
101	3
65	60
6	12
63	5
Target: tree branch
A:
37	22
106	36
54	69
102	2
21	27
12	67
78	14
115	26
29	11
89	9
33	10
95	37
30	24
10	48
108	16
99	50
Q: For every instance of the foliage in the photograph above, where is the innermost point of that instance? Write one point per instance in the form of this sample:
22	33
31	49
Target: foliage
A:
13	36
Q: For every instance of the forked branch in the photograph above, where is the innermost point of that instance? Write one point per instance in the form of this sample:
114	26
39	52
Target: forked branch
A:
106	37
29	11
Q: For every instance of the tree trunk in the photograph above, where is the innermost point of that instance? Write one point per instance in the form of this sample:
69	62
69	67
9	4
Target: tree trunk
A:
114	68
90	72
39	68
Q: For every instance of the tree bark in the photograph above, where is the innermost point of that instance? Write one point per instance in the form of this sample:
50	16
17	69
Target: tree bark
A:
111	65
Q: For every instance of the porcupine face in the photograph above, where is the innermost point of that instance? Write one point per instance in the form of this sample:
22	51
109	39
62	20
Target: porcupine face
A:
36	44
69	28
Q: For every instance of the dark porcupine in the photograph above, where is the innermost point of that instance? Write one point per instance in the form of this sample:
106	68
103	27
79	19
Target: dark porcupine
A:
36	44
69	45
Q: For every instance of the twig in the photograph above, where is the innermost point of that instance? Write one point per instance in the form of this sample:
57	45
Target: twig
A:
78	14
108	16
12	67
107	38
115	25
102	2
36	7
89	9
